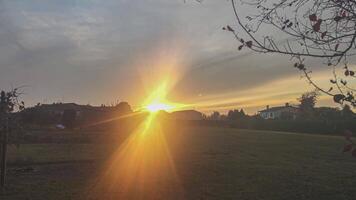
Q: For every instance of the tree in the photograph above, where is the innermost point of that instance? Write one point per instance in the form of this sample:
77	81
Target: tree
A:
236	114
215	116
242	112
231	115
347	113
328	114
307	104
124	107
322	29
9	104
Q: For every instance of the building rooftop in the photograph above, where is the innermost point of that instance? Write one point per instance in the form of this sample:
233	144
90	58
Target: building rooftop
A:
273	109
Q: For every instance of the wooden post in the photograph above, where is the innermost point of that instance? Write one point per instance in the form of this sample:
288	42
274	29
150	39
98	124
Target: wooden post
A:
3	154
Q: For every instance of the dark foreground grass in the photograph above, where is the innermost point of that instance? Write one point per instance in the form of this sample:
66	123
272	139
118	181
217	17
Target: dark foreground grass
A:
212	163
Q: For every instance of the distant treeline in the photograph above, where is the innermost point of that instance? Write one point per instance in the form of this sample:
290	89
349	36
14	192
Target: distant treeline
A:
334	127
72	115
307	119
320	120
304	117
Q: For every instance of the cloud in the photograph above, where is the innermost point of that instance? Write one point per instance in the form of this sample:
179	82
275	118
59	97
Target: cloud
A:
87	51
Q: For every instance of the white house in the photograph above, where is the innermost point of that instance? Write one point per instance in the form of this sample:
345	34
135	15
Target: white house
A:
277	112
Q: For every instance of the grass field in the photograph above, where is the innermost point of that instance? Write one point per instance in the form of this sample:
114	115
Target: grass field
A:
211	163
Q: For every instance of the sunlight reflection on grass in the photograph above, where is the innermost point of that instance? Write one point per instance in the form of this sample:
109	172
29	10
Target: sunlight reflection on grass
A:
141	167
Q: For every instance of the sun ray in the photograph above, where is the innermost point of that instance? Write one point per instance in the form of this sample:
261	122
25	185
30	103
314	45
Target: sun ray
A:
112	119
157	100
142	166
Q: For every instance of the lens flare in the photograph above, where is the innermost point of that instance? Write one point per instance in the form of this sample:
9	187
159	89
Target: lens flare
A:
158	107
142	167
157	101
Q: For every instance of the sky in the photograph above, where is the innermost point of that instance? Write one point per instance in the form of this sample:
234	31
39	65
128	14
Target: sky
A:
99	52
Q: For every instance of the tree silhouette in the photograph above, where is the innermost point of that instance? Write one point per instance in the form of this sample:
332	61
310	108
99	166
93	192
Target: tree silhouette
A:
9	103
307	104
347	112
124	107
320	29
215	116
236	114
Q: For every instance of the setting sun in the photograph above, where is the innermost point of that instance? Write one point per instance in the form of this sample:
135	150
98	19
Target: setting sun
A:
159	106
157	101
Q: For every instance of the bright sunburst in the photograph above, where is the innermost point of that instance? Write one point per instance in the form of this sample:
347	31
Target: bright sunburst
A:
157	101
143	163
159	106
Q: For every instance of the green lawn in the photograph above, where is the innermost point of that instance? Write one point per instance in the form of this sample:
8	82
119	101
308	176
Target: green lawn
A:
212	163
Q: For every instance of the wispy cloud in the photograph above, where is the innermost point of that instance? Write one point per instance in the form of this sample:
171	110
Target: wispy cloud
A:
88	51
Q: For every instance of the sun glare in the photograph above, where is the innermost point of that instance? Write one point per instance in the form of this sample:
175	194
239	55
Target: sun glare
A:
155	107
143	163
157	101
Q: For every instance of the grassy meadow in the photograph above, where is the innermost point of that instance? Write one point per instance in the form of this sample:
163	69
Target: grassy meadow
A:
211	163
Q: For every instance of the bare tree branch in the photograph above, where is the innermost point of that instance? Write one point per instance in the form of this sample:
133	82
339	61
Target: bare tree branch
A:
323	29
